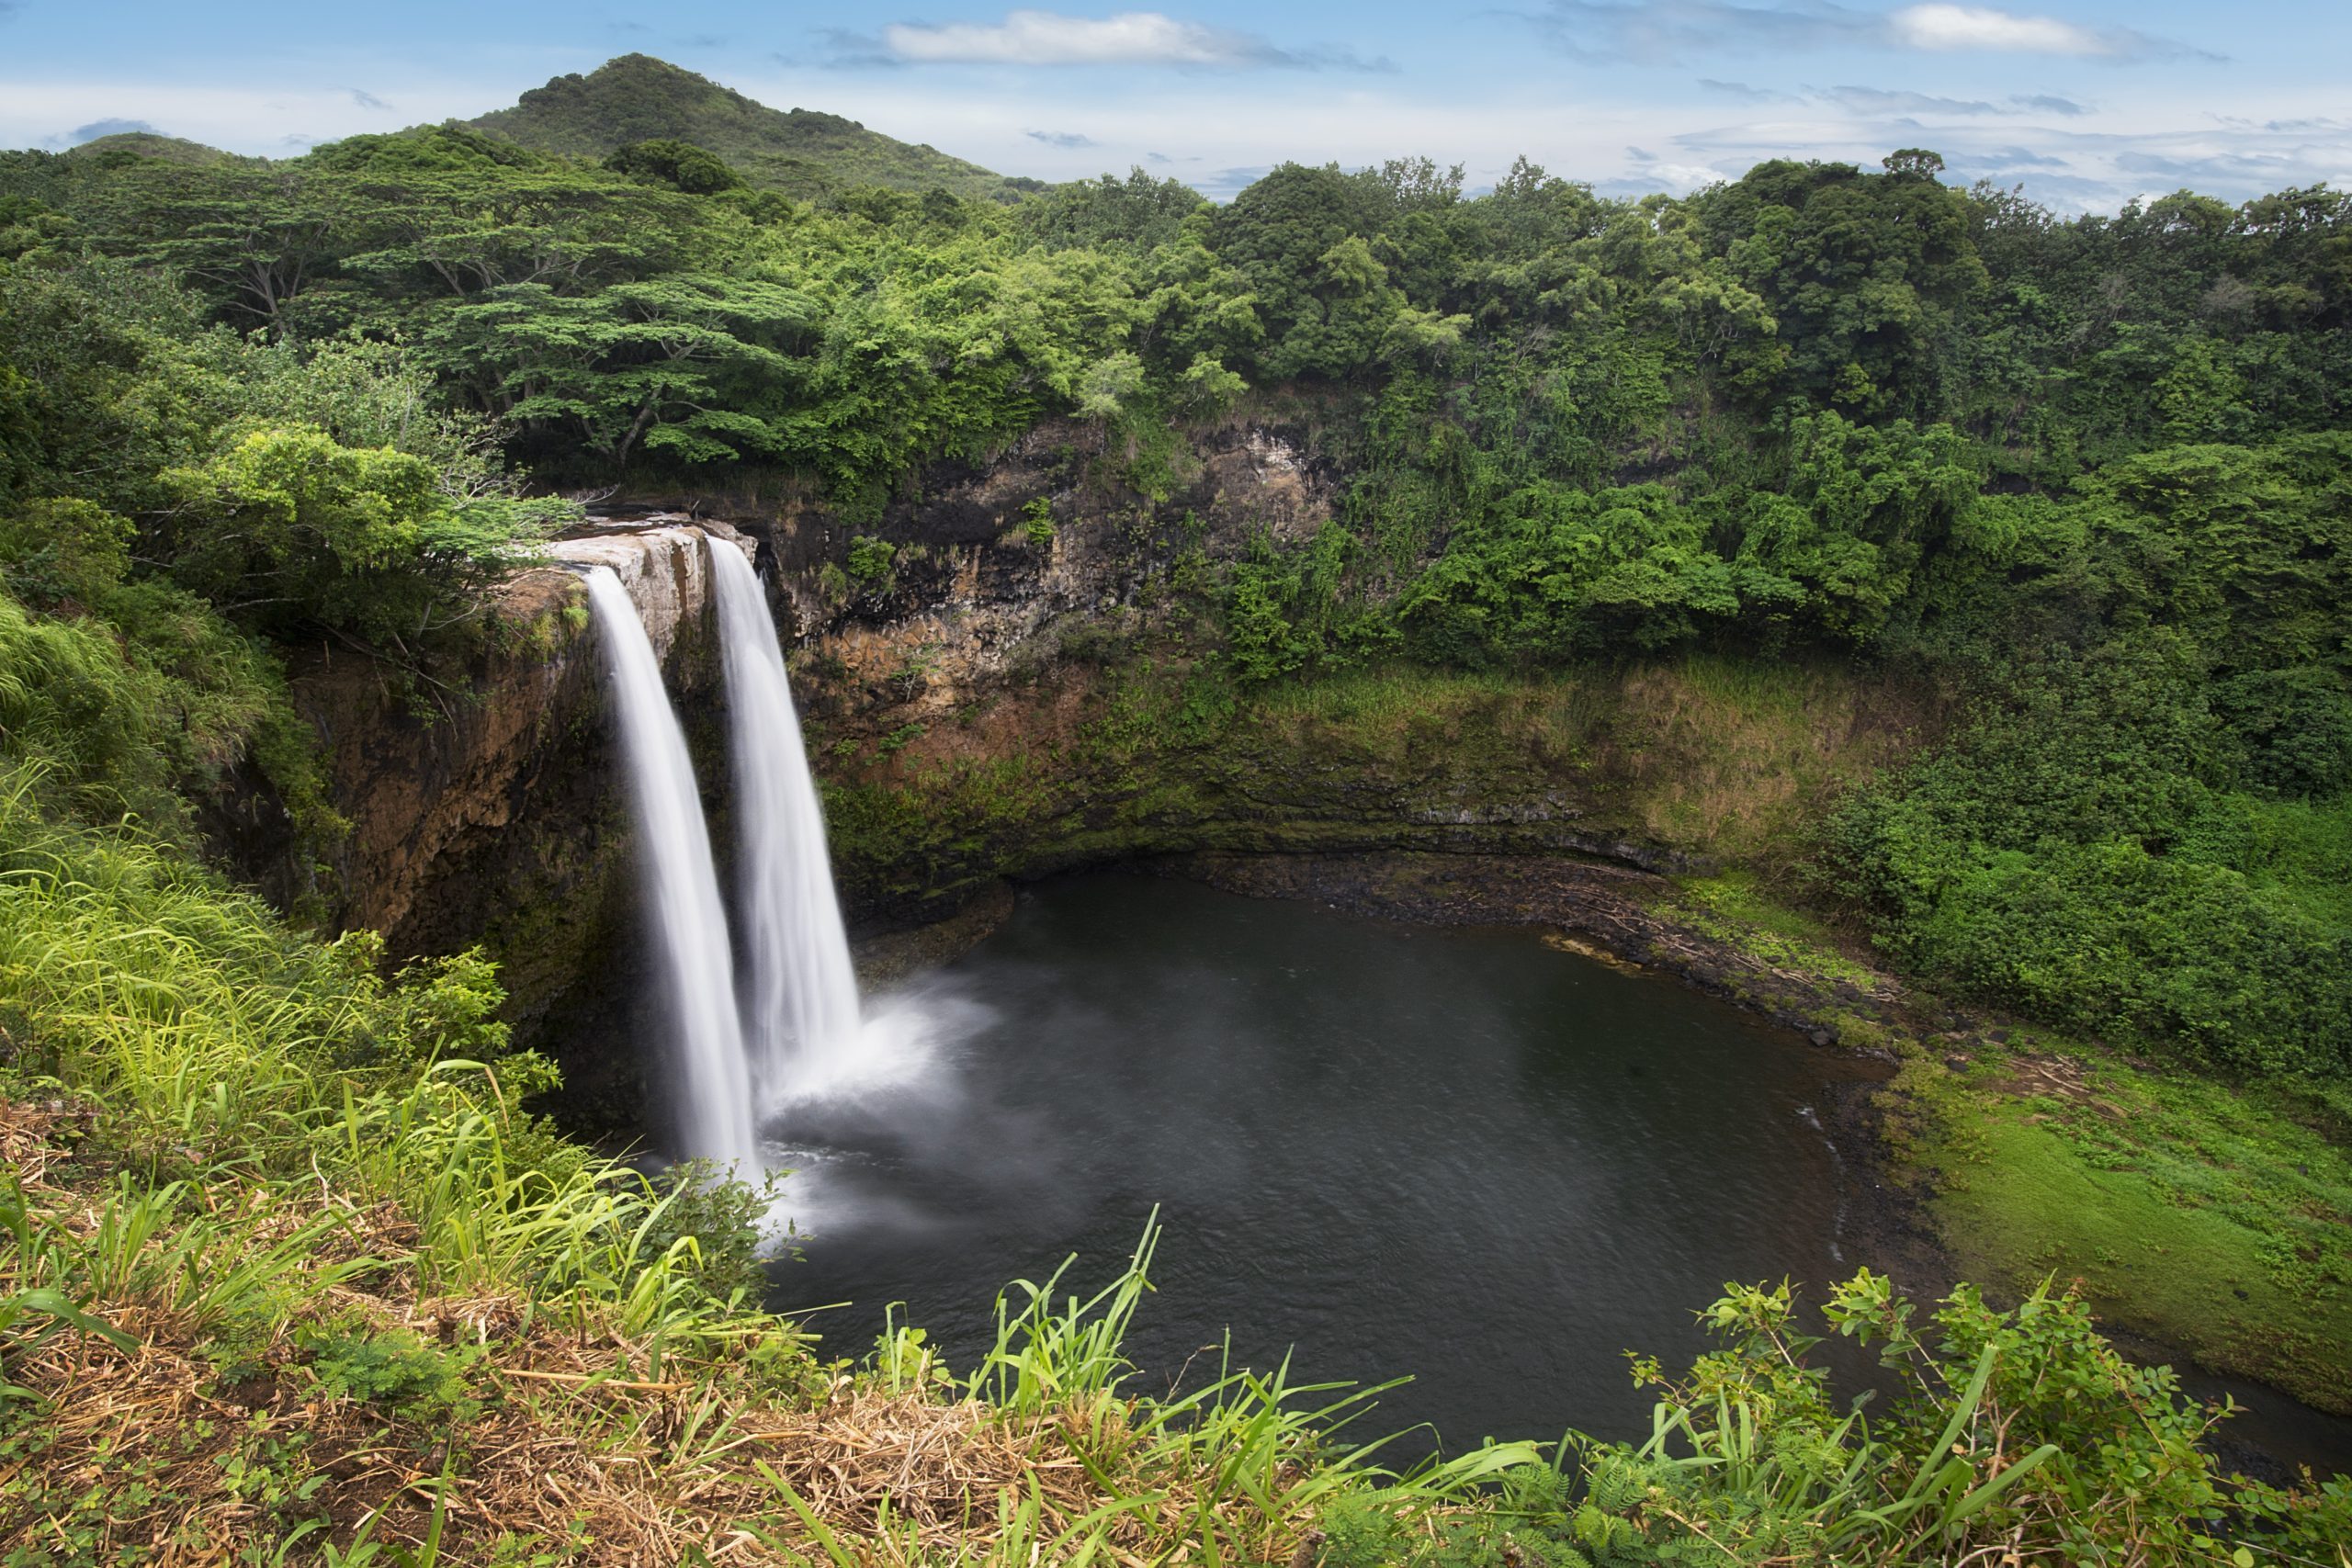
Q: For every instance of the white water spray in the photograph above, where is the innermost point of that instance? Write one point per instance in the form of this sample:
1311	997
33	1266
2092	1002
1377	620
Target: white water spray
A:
800	1013
681	891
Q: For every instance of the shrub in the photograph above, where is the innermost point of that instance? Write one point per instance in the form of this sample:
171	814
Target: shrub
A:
870	560
389	1367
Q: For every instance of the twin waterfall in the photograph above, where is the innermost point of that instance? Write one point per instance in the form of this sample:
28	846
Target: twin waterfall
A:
796	1015
799	992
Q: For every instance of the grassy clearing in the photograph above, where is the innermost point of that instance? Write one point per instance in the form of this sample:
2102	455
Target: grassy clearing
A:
1734	759
1715	756
1733	907
2218	1221
2211	1217
1714	759
1388	703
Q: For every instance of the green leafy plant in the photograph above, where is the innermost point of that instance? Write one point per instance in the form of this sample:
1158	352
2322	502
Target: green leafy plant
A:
1037	523
870	560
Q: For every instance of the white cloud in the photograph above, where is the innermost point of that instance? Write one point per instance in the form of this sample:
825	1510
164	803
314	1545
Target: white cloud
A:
1048	38
1651	173
1980	26
1666	31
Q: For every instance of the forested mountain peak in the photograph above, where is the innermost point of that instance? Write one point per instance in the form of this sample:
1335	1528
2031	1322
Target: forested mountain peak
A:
126	145
801	151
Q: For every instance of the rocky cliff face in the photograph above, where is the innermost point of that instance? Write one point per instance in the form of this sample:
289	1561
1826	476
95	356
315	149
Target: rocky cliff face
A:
486	809
1021	683
1027	689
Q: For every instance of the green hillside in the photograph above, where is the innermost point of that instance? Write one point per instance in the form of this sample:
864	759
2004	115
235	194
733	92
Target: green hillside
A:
151	144
802	152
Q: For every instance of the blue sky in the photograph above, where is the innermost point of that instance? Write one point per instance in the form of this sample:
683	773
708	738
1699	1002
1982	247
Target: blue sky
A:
2087	103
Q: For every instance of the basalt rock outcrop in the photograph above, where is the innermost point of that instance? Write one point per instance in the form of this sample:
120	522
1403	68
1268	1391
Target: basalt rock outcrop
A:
484	804
1008	671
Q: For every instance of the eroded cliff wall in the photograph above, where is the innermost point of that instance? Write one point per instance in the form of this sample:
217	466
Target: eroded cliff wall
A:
1013	670
484	804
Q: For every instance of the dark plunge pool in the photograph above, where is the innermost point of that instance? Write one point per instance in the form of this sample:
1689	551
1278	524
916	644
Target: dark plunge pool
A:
1464	1155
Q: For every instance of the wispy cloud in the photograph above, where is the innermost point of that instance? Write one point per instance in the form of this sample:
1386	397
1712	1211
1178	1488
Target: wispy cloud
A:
1225	182
1130	37
1662	32
839	48
366	100
1886	101
1653	173
2289	127
1981	26
1747	94
1881	101
2010	159
1666	31
2066	164
1986	29
97	127
2214	171
1048	38
1066	139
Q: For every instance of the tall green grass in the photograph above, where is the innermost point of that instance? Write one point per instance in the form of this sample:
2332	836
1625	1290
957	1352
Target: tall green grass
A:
224	1048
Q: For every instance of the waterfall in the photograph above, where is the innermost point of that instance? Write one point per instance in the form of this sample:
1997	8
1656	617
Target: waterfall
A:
800	1004
681	892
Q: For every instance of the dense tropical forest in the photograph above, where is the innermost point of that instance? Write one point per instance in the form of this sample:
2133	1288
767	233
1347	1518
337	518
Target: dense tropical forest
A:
2083	484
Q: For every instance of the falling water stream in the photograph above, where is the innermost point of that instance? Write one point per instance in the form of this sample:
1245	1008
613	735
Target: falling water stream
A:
799	992
681	891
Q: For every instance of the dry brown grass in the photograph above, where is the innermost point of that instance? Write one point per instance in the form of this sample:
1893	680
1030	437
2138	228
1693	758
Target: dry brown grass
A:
1718	757
1733	760
564	1439
613	1465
